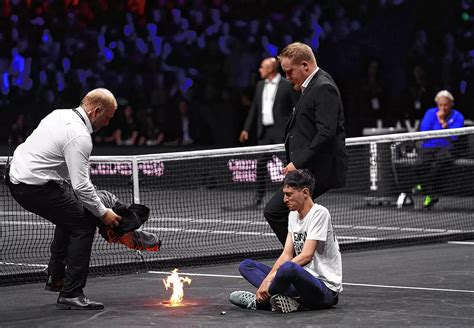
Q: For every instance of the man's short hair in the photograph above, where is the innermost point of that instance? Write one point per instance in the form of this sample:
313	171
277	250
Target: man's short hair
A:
298	52
300	179
444	93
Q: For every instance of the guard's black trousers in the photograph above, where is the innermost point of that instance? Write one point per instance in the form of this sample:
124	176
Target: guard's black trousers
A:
74	233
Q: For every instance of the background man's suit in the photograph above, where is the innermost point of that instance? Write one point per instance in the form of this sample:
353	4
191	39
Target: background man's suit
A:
283	105
315	140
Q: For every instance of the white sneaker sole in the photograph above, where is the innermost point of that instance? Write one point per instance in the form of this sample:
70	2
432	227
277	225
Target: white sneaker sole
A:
284	304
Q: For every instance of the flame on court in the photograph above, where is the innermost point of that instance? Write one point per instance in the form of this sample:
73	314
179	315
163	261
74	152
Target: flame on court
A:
176	282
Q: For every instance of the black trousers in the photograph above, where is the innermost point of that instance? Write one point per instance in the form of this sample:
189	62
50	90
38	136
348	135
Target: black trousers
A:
74	233
276	212
435	164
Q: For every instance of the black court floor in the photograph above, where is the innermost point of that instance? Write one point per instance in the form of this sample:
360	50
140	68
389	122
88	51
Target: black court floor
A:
428	286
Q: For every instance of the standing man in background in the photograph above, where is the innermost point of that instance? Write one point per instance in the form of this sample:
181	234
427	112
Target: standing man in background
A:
58	150
272	105
315	133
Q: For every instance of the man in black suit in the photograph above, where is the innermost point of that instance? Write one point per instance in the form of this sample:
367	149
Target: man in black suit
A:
271	107
315	134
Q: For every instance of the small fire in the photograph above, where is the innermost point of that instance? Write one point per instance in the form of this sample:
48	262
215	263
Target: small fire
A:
176	282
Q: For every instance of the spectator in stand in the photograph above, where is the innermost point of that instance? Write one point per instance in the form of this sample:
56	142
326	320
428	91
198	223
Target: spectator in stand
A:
149	128
437	154
418	94
20	130
127	133
372	96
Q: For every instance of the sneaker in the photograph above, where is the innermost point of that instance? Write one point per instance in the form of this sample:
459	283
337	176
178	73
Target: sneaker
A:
430	201
284	304
138	240
246	300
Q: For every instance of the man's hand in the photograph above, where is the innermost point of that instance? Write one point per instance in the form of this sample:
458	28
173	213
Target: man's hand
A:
289	168
244	136
441	115
111	219
262	293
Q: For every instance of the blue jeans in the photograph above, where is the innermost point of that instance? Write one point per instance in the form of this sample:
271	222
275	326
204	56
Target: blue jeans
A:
291	280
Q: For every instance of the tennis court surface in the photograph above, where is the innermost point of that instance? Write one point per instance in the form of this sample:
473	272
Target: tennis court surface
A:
431	285
201	209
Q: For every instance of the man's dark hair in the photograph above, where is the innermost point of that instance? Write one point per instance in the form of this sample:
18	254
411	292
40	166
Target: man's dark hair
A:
300	179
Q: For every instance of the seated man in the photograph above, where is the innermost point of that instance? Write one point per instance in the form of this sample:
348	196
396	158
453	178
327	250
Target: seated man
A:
436	154
311	279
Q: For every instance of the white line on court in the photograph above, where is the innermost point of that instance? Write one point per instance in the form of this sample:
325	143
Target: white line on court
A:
461	242
199	274
25	264
243	233
410	287
345	283
247	222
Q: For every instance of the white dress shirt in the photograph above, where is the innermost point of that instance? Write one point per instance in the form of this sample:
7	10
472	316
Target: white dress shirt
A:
57	150
268	99
308	79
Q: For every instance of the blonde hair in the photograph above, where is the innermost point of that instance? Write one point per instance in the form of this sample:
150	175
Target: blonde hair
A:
297	51
444	93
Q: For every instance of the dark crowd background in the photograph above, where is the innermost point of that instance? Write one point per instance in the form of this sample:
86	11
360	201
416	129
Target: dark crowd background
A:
184	72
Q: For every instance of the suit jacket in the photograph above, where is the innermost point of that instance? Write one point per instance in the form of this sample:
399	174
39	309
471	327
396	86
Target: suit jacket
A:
315	134
285	99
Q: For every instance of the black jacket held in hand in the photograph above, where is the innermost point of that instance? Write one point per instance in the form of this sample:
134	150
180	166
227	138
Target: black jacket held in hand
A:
133	216
127	233
315	134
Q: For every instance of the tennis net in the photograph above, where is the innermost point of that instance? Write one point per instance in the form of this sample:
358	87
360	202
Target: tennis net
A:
202	204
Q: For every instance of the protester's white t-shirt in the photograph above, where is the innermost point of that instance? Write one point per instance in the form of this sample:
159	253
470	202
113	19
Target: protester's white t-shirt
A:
326	264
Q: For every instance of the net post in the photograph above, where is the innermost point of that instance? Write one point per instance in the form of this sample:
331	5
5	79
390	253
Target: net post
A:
135	181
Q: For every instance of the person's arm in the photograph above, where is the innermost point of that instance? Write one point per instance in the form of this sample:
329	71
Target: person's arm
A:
132	140
326	115
457	121
287	254
427	121
76	154
244	135
307	253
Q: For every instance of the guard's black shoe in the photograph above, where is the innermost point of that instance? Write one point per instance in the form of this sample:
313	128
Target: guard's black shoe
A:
78	303
54	284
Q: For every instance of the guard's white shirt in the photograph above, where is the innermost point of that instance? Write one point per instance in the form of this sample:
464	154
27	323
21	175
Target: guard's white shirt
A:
270	88
308	79
326	264
59	149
